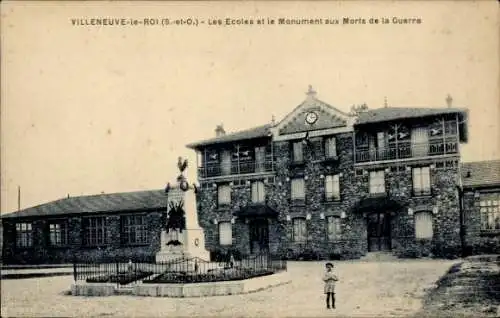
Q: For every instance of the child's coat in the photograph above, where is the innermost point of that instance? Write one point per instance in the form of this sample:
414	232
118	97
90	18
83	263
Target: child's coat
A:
330	278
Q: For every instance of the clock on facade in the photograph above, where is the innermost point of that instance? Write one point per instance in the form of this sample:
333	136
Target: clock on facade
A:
311	118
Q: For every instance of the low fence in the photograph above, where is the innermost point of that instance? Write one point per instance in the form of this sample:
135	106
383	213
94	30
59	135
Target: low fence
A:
184	270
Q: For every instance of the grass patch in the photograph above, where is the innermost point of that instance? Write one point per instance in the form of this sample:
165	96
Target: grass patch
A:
466	287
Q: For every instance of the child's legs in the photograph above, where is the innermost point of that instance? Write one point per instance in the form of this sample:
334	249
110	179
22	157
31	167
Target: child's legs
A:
328	297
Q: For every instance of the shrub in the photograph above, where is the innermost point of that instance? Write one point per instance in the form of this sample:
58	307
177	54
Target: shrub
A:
123	278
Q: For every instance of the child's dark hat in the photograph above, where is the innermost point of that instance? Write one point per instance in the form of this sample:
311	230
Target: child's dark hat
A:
329	264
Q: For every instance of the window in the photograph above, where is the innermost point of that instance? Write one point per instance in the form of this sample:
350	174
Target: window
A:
333	228
258	192
330	147
95	231
134	229
24	235
423	225
58	233
298	155
298	192
421	181
299	230
225	233
224	194
377	182
490	211
332	188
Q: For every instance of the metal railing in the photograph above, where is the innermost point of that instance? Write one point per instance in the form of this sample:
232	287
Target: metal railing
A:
406	150
184	270
234	168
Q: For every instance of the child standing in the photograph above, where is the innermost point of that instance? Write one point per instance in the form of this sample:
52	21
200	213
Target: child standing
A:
330	278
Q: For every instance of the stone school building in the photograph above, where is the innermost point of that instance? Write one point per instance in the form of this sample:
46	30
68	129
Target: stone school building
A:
320	183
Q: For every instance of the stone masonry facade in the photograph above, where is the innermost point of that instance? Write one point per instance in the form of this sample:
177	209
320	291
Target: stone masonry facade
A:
354	187
114	250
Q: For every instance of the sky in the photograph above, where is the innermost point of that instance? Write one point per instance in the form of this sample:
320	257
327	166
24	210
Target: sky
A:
88	109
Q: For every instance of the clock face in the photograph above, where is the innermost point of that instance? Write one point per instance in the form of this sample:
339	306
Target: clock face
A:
311	118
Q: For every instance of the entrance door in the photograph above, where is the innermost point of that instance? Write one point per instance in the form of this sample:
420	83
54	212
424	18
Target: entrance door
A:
259	236
379	232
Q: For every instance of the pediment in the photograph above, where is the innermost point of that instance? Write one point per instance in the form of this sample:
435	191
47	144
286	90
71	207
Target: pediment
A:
328	117
325	120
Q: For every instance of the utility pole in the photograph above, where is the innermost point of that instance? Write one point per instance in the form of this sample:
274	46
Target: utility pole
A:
18	198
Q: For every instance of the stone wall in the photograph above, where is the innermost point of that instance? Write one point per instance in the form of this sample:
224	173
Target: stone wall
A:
354	183
478	241
41	251
446	222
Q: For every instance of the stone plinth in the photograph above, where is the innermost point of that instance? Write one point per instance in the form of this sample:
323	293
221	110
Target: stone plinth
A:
192	239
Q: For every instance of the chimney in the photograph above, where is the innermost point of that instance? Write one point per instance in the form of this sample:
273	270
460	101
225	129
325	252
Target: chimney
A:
311	93
219	131
449	101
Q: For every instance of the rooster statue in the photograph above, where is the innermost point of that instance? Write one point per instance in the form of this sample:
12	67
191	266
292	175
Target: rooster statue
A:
182	164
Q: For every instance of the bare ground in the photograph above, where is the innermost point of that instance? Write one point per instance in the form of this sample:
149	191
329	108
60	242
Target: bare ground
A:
366	289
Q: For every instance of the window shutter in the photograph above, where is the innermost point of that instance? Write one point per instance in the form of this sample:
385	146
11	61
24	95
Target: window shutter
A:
224	194
423	225
329	187
298	189
299	230
225	233
426	178
416	180
336	187
331	147
297	152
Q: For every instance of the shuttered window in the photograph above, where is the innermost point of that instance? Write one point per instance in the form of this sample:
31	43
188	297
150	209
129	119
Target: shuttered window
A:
421	181
225	233
299	230
224	194
377	182
332	187
330	147
333	228
298	155
423	225
258	192
298	191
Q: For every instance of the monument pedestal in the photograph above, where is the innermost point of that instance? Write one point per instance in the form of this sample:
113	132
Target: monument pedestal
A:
191	242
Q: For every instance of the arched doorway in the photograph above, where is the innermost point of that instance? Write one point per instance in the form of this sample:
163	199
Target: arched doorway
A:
379	231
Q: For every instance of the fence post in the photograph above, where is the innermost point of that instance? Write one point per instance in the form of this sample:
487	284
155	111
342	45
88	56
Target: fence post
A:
74	270
117	274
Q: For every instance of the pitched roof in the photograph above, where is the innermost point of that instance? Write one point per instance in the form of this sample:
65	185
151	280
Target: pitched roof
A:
481	173
113	202
394	113
256	132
